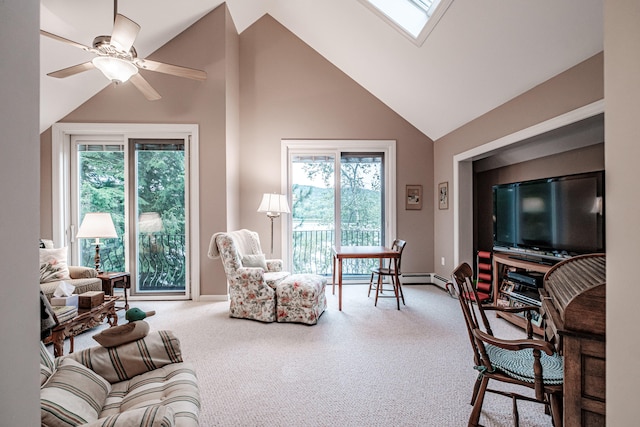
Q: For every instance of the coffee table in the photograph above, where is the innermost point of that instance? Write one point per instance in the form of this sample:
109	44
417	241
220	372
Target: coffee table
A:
86	319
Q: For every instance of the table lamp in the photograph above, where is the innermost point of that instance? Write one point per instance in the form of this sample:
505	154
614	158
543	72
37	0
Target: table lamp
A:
274	205
97	225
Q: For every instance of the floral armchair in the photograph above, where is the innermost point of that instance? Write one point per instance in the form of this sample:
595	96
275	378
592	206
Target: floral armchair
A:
251	277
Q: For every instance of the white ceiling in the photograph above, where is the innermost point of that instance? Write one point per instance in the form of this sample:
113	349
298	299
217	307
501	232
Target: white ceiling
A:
480	55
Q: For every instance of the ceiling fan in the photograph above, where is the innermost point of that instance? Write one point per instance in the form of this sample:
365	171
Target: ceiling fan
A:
117	58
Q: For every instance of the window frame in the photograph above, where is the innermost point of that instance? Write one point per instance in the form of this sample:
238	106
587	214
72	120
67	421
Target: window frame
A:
291	147
63	227
429	26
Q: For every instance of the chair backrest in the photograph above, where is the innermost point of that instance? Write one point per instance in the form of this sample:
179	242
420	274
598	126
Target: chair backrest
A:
473	313
398	246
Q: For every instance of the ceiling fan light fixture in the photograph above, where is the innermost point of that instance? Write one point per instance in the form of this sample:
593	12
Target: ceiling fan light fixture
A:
115	69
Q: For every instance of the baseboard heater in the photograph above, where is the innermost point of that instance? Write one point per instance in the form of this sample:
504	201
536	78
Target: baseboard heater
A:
427	278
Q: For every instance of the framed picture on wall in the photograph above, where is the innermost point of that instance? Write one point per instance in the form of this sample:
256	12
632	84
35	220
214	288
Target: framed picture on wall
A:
443	195
414	197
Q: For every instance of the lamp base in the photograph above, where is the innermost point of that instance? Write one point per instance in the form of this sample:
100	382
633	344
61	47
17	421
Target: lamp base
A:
97	258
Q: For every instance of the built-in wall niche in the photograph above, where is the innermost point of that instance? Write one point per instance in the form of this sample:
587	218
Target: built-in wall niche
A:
578	135
571	149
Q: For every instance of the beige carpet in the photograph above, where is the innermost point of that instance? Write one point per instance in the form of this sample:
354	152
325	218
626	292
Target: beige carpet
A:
364	366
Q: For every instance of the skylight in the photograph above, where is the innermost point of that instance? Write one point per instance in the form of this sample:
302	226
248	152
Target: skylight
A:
414	18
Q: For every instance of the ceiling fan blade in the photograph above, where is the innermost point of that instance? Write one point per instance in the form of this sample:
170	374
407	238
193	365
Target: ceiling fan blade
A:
144	87
124	32
70	71
174	70
62	39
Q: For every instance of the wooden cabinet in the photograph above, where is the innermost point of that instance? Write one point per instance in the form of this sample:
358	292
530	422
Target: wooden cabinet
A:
573	310
501	263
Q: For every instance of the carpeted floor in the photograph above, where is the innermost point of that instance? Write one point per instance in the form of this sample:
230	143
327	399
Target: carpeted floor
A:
364	366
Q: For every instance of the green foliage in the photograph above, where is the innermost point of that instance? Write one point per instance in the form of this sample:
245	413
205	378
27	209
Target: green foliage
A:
160	186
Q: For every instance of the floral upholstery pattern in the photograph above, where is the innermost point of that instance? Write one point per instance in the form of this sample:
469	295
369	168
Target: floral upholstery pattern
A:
252	292
301	298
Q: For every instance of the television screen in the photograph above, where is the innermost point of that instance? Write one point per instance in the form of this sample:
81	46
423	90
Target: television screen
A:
554	216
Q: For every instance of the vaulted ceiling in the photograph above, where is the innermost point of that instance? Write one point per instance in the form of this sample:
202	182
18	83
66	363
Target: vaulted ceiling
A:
480	55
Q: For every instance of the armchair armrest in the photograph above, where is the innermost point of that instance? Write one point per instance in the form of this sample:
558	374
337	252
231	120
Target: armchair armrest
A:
274	264
79	272
249	281
124	362
515	345
525	308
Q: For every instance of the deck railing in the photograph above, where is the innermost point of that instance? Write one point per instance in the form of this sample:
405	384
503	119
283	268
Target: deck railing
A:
162	256
161	260
312	251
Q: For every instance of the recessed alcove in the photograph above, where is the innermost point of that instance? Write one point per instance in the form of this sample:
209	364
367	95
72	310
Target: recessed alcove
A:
571	143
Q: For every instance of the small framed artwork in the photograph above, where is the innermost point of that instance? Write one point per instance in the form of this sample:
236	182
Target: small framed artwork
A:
443	195
414	197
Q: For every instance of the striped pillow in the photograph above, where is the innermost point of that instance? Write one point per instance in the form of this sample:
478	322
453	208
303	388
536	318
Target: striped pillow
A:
74	395
152	416
124	362
46	364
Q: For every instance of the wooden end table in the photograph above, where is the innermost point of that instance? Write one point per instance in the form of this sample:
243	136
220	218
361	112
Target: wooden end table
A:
86	319
112	280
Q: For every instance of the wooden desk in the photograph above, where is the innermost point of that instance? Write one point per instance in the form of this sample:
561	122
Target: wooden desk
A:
112	280
351	252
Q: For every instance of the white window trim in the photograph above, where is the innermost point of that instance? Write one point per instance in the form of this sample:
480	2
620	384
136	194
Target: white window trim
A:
60	164
388	147
439	12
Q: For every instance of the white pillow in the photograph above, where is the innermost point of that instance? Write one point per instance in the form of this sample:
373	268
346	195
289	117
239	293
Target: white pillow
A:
73	395
255	260
53	265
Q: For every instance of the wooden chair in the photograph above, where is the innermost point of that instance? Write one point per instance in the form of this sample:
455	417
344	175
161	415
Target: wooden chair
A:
387	269
530	362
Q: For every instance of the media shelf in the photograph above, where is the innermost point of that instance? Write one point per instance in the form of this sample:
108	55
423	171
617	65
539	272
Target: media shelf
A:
501	296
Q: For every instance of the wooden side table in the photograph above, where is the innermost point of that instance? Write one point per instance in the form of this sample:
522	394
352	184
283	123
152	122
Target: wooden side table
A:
112	280
86	319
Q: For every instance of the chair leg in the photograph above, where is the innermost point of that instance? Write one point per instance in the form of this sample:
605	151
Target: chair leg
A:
378	286
474	419
370	285
556	410
476	387
401	293
516	415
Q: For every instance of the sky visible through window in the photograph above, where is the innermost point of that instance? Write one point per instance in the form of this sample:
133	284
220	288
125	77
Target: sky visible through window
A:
411	15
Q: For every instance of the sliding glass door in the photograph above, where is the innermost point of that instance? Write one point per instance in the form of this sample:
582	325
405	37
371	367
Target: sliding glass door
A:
337	185
142	184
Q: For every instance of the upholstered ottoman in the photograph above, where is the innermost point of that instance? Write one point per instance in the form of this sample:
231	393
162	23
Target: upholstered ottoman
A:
300	298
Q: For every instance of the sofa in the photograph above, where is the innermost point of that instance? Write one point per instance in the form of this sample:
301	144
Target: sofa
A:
54	270
144	382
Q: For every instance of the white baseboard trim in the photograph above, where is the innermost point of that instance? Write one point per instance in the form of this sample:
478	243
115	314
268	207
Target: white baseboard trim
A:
213	298
426	278
406	279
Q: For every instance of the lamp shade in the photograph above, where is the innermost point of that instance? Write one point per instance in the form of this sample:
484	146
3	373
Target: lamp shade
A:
274	204
115	69
97	225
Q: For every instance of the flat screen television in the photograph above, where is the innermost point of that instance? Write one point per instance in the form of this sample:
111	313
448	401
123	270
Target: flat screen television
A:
552	218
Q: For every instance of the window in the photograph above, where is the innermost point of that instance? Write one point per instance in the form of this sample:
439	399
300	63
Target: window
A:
142	175
413	18
341	193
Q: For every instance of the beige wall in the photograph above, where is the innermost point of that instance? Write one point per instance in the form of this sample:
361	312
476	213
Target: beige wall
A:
262	86
288	91
205	45
19	164
576	87
622	151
